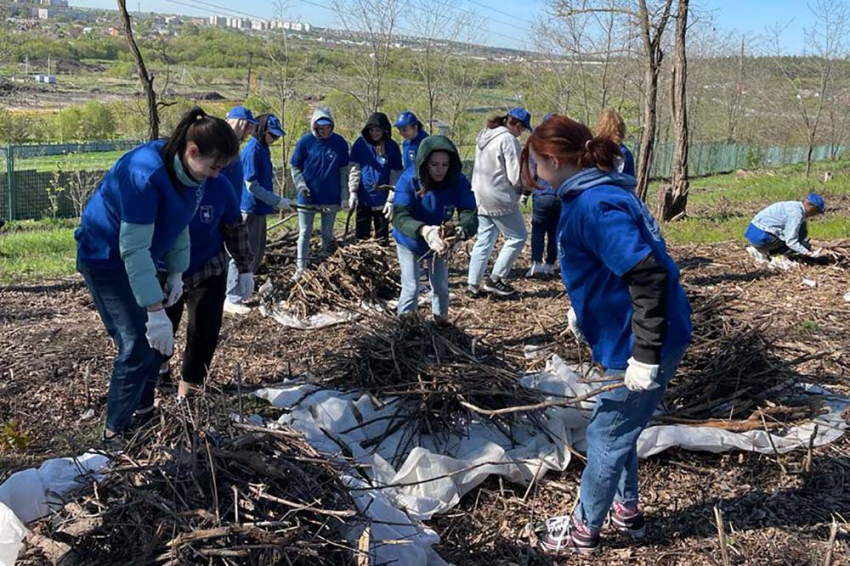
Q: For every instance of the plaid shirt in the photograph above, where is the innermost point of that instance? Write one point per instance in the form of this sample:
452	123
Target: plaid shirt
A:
236	242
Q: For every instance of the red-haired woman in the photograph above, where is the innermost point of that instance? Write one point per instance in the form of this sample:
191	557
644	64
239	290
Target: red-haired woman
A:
627	304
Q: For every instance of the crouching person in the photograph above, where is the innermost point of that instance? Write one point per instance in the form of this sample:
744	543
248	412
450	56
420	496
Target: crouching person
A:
216	230
628	305
427	196
781	228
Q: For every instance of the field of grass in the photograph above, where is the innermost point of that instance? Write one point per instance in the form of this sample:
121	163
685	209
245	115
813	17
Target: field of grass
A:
35	250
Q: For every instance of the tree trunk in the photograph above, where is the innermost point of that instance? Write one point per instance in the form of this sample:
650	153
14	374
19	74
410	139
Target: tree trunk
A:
650	124
674	201
147	80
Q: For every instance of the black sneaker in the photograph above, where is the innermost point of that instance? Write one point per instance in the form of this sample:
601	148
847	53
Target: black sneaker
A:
628	520
562	535
113	441
166	381
499	287
143	417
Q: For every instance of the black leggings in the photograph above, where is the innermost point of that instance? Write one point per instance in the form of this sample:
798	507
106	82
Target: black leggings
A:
205	303
365	218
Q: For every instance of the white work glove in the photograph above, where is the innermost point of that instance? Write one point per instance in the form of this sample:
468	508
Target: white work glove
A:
572	320
284	205
641	376
245	285
173	289
432	237
352	201
816	252
523	200
160	332
388	207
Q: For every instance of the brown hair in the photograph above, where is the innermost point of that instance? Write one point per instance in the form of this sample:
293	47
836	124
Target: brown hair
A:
570	142
213	136
494	122
612	125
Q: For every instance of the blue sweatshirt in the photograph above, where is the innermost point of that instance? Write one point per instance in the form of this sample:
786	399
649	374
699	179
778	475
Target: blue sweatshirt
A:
375	169
605	231
218	208
410	147
235	174
137	201
433	208
319	161
627	166
258	195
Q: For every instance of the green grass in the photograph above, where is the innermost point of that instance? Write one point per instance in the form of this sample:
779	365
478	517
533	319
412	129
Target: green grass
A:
99	161
30	254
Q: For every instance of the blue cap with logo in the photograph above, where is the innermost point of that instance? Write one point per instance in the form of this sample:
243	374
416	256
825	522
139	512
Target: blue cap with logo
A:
817	201
241	113
406	118
273	126
522	115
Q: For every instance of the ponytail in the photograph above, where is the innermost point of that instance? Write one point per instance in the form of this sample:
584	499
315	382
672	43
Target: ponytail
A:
494	122
569	141
213	136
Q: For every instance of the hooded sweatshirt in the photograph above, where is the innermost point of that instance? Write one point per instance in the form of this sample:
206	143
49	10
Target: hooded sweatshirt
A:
371	166
321	165
414	206
496	178
410	147
622	283
258	196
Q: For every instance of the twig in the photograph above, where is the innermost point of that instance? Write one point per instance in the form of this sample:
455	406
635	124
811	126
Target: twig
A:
833	533
721	535
545	404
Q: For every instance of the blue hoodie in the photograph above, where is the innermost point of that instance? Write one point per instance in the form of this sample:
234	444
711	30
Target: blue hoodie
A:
410	147
606	231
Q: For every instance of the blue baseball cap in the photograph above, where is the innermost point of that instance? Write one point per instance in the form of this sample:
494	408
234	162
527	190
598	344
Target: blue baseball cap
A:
273	126
242	113
406	118
522	115
817	201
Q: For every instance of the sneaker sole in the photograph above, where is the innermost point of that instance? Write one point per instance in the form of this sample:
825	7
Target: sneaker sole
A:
498	292
634	533
546	549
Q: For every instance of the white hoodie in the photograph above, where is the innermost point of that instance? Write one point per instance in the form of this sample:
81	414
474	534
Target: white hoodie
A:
496	178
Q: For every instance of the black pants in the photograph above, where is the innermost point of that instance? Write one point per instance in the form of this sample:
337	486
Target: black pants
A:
365	218
205	303
774	247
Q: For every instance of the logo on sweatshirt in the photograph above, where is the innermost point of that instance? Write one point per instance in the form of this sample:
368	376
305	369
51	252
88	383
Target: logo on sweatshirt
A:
206	213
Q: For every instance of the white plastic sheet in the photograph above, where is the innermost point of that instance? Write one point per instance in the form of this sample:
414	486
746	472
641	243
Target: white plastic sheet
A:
12	533
430	481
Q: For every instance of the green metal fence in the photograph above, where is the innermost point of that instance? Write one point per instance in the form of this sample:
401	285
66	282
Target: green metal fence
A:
55	180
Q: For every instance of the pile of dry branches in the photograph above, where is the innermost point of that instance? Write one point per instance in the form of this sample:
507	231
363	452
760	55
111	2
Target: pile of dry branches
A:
192	491
442	373
353	274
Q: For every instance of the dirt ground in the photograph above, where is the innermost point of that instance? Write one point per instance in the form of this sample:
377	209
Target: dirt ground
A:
55	359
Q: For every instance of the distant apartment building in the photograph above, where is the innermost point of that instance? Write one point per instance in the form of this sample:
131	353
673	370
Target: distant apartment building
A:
55	3
218	21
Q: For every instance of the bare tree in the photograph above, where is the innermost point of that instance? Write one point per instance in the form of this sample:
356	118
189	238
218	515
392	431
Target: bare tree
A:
144	76
651	19
373	24
673	199
810	79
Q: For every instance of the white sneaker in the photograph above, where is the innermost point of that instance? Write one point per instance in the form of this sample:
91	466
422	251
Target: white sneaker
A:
536	270
549	269
236	308
757	255
780	262
847	297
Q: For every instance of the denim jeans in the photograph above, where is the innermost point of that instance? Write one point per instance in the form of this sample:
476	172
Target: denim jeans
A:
438	275
305	230
512	227
545	215
135	369
612	461
256	225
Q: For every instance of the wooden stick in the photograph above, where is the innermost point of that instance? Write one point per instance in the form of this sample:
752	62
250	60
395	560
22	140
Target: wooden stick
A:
833	533
810	451
721	535
545	404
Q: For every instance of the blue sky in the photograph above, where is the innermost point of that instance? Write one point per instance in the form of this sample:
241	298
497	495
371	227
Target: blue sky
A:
502	23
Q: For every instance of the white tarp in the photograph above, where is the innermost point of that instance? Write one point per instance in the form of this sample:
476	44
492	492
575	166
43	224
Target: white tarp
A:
33	493
430	481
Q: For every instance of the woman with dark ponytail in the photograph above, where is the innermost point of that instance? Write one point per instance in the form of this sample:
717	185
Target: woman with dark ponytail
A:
137	220
627	305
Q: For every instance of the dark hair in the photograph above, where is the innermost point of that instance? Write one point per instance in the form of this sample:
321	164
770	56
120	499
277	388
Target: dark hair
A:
570	142
213	136
494	122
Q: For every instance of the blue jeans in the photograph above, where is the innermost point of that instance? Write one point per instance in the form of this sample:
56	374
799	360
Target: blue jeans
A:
438	275
512	227
612	461
135	370
545	215
305	230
